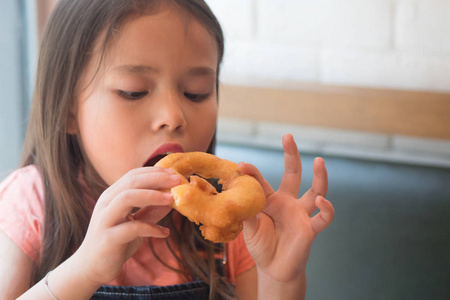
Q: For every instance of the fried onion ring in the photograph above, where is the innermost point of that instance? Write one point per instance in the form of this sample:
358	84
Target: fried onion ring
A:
219	213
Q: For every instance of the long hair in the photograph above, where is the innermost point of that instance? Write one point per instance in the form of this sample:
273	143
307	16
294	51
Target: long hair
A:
73	30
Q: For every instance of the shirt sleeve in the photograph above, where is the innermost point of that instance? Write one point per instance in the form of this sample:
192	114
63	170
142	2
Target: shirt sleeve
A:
238	258
21	210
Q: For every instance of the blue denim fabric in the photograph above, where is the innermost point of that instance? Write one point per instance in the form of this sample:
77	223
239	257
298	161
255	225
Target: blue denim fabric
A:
195	290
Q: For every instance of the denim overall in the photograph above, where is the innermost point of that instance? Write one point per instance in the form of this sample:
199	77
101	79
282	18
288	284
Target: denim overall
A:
195	290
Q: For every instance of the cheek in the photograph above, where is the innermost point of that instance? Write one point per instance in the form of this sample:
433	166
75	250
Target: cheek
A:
89	123
205	124
91	126
93	121
100	134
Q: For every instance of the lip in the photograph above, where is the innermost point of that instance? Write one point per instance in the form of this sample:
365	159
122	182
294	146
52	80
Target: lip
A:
162	150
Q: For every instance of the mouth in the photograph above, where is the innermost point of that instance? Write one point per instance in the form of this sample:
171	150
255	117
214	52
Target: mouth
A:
162	152
153	160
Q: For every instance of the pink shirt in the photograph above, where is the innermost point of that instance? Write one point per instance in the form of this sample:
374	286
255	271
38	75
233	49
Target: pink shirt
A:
21	219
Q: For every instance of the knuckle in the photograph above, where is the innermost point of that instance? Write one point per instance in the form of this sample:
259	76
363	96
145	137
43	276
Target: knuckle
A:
125	196
131	178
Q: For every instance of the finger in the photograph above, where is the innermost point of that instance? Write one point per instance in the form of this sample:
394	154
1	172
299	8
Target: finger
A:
129	231
320	179
325	216
250	169
290	182
122	205
142	178
319	186
148	178
152	214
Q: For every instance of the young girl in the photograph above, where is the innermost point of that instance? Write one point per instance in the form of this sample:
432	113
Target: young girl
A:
119	85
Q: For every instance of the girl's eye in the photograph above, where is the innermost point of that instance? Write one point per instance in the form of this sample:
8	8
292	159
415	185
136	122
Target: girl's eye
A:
130	95
196	97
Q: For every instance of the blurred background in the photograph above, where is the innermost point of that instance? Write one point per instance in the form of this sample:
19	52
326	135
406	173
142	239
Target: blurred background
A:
363	83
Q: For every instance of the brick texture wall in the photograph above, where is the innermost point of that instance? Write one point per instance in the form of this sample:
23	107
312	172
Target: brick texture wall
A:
395	44
401	44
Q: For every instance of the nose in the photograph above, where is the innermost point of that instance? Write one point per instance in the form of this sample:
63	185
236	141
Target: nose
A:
169	112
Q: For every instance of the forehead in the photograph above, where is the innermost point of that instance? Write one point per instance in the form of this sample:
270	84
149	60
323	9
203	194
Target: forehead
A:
169	34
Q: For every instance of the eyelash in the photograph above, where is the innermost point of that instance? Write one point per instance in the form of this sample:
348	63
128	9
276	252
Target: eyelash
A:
196	97
132	95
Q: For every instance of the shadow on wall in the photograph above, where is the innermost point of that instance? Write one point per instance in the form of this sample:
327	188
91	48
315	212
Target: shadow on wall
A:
390	238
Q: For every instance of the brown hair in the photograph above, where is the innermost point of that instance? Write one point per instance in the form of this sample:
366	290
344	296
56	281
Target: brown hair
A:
72	32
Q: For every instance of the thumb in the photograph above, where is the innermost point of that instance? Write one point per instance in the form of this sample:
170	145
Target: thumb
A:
250	227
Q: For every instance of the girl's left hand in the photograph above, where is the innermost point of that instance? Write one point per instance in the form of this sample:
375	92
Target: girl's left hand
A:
280	237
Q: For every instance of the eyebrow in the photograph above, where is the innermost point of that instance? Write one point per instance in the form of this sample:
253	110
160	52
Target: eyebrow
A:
138	69
143	69
201	71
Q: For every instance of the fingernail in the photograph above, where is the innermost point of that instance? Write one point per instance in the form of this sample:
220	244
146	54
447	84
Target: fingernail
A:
165	231
168	197
175	178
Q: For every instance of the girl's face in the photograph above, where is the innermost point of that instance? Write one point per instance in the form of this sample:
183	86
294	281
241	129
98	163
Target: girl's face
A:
155	93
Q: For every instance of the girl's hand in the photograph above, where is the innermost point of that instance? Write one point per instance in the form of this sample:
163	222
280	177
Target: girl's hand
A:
114	233
280	238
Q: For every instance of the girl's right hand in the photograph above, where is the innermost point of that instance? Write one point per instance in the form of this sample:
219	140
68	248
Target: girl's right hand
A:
114	233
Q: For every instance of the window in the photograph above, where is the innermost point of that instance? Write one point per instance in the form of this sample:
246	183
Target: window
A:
18	53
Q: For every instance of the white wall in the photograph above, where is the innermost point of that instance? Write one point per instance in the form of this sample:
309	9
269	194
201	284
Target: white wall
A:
402	44
399	44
